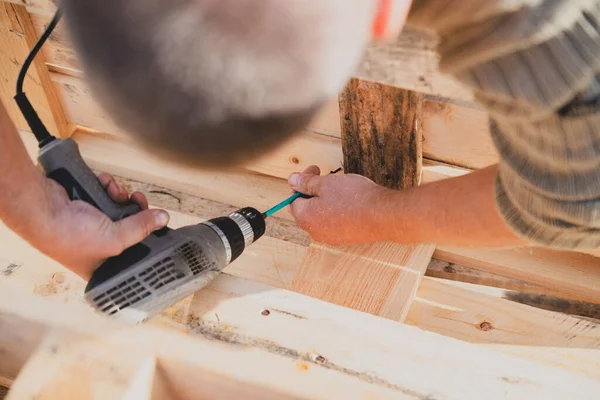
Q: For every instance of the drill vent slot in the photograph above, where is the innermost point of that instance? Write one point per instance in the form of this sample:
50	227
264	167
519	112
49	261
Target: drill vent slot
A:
121	296
194	257
160	274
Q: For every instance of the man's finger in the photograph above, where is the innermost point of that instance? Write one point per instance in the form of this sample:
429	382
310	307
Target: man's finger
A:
105	179
140	200
312	170
298	207
134	229
306	184
115	191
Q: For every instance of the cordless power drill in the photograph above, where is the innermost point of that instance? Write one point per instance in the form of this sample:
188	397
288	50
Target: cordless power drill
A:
166	266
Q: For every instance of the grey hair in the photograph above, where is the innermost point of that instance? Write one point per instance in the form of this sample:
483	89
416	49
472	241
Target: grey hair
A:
217	83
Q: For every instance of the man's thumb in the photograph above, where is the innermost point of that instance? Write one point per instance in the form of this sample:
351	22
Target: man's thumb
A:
305	183
134	229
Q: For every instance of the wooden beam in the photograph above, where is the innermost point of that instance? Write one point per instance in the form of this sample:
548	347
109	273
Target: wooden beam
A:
575	275
238	188
45	8
451	133
439	306
381	140
353	356
18	35
305	149
63	128
380	279
69	365
572	274
410	62
381	133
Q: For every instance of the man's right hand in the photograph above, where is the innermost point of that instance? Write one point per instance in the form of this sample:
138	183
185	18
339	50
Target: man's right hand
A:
80	237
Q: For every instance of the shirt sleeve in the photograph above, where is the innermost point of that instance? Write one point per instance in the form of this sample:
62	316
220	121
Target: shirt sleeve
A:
535	67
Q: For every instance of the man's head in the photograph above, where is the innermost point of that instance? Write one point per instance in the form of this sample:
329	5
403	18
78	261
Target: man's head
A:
216	83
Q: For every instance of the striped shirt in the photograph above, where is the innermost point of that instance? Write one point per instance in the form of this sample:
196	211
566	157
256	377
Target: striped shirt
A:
535	67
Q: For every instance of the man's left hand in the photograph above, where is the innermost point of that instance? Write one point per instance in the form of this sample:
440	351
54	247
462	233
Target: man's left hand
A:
345	209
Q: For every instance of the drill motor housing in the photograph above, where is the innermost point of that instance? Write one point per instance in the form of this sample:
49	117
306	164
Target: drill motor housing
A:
170	265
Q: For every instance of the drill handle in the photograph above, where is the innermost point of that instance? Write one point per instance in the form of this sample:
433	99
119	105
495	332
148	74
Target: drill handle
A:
62	162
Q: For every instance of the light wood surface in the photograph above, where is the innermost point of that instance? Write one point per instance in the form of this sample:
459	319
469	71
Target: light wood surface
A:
228	336
16	32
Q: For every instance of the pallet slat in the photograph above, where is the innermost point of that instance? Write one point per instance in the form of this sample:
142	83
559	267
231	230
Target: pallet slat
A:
392	360
439	306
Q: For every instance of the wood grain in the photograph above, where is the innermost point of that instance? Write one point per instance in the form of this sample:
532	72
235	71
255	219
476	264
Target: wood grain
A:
381	133
380	279
14	48
445	309
380	140
63	127
575	275
457	135
353	356
306	148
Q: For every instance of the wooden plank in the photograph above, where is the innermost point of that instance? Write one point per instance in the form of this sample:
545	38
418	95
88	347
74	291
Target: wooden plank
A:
392	360
125	159
462	311
451	133
575	275
479	314
456	272
410	62
307	148
572	274
68	365
14	48
41	7
381	133
63	128
457	135
275	262
382	142
380	279
58	49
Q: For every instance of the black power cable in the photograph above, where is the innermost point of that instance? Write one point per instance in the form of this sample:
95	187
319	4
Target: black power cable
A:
33	120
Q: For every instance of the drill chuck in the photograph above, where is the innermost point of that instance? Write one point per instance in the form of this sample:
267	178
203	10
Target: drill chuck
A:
170	265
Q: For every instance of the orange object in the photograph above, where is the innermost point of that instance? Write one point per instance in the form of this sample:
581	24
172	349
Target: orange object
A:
382	19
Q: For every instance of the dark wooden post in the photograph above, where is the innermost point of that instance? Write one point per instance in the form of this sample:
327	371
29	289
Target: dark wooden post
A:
381	133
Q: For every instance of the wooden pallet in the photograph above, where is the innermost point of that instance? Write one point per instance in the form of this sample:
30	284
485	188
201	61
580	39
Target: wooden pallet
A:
292	319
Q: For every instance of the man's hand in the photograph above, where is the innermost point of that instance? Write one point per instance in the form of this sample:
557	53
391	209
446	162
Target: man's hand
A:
80	237
344	209
351	209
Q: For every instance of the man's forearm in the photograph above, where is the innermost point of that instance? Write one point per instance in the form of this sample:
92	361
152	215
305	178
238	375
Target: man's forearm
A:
21	194
456	212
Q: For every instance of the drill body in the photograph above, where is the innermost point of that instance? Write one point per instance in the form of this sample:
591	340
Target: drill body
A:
170	265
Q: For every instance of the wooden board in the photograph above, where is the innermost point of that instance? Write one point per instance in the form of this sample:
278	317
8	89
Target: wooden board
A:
380	279
227	323
575	275
236	188
458	135
41	7
381	140
307	148
439	307
409	62
381	133
451	133
16	31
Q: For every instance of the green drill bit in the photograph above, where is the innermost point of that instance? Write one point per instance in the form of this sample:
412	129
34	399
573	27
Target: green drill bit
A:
290	200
